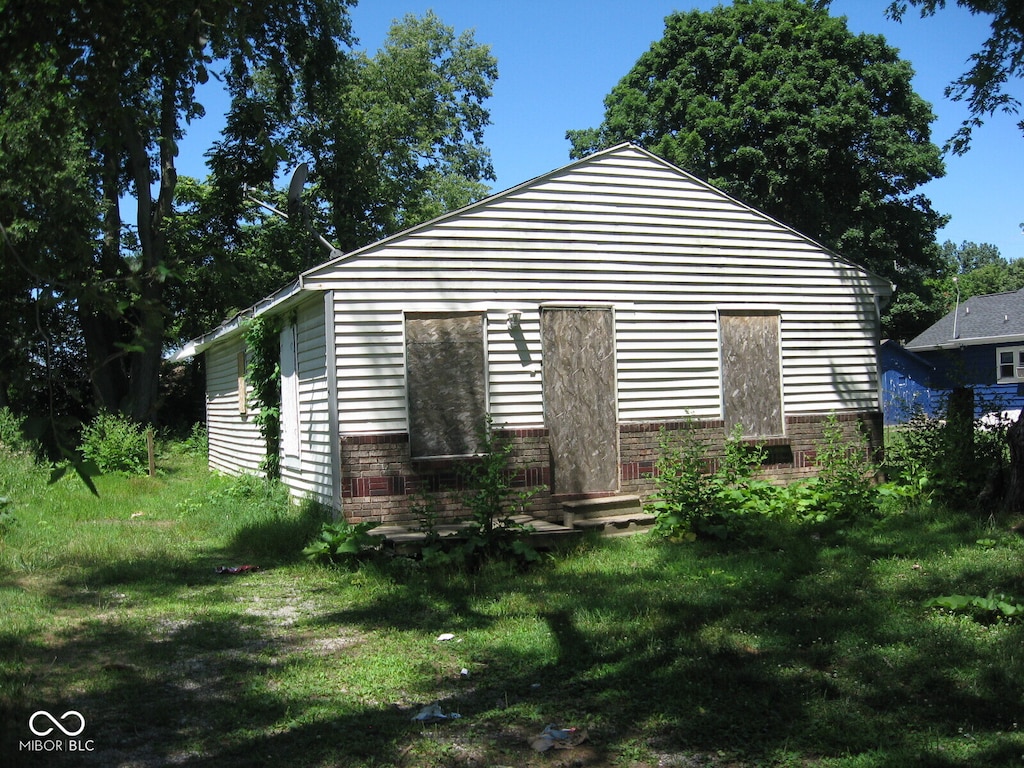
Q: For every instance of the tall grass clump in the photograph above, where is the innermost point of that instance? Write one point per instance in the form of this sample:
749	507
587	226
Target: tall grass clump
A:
20	474
197	443
12	437
265	521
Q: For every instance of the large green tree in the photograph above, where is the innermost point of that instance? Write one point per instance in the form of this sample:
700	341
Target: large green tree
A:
125	75
971	269
402	141
983	87
46	192
781	106
398	140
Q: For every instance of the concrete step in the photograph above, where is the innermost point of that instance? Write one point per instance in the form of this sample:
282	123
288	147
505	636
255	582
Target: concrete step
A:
610	515
617	525
600	506
542	534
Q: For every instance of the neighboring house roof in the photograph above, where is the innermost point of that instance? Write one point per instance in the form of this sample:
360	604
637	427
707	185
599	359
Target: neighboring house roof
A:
989	319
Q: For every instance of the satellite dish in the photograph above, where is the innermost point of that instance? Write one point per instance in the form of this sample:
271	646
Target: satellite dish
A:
297	183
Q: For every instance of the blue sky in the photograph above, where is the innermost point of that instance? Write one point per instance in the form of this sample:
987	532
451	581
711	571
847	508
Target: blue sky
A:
557	59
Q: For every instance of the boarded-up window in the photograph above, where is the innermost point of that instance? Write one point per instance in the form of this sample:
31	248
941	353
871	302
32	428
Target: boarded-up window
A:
445	373
243	395
751	373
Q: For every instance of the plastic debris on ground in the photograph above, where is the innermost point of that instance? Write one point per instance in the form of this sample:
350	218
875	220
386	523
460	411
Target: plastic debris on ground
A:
553	737
231	570
445	637
432	713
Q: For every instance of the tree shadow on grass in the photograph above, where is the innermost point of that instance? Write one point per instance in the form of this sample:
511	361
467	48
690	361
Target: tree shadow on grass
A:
755	654
762	656
188	691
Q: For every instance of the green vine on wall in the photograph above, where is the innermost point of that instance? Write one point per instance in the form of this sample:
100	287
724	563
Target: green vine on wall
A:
263	371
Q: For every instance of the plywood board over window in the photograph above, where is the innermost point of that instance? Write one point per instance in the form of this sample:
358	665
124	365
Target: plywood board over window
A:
751	372
243	395
445	370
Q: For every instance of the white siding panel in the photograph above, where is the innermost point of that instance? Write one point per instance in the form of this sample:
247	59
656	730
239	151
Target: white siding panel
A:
662	248
236	445
311	475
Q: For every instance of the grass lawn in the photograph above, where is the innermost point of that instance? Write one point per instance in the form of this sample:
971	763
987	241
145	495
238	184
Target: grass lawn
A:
788	649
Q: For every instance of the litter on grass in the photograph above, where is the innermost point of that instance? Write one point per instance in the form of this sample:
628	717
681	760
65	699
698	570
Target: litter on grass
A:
432	713
231	570
553	737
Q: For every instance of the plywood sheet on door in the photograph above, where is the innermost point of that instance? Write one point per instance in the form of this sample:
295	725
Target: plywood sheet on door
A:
578	346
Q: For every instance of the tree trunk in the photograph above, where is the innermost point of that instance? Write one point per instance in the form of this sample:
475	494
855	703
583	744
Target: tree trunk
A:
149	311
107	373
102	329
1014	502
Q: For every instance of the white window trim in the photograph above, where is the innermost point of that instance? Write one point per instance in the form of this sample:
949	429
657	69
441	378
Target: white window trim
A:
1018	364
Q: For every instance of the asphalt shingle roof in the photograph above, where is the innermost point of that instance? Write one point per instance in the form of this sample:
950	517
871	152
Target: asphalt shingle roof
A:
978	319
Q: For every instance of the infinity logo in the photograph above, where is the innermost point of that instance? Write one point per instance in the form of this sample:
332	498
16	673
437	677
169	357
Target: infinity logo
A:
56	723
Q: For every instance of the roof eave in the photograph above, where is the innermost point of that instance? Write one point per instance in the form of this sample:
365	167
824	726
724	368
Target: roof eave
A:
234	324
976	341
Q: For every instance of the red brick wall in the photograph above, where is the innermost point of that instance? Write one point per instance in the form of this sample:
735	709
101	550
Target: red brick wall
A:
381	483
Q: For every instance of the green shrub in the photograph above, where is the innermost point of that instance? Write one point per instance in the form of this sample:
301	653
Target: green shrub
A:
845	482
956	459
491	530
11	435
691	502
341	542
115	444
197	443
492	502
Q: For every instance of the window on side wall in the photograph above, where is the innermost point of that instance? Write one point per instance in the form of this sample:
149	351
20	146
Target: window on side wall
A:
445	375
243	392
751	372
1010	364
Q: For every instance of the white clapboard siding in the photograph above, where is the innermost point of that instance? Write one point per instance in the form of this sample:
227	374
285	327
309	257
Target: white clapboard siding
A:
621	229
236	445
310	475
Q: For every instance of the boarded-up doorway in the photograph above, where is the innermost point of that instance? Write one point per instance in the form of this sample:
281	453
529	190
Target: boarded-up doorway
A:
751	373
578	346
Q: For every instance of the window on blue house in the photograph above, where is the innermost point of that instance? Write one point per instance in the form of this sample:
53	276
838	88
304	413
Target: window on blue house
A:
1010	364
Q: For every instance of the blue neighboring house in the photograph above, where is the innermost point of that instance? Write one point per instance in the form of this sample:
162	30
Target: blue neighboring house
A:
909	384
980	345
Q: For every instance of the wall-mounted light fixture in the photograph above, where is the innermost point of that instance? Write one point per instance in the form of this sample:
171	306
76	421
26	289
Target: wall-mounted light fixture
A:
512	319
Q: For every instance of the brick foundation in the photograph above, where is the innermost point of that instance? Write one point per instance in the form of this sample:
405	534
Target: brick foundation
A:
380	482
